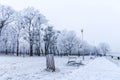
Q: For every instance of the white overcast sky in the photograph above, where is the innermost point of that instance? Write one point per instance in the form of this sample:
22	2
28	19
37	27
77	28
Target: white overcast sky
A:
100	18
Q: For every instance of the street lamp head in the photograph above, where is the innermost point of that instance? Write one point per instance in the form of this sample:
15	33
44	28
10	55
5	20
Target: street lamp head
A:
82	30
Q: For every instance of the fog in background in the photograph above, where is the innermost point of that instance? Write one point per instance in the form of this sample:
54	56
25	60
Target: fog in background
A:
100	19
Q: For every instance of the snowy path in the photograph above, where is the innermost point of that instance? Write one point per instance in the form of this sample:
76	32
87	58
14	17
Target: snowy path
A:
99	69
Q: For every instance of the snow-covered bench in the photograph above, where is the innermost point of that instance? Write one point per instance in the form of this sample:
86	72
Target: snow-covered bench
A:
73	60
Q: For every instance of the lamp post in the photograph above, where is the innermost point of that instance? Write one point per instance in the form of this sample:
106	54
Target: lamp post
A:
82	43
82	33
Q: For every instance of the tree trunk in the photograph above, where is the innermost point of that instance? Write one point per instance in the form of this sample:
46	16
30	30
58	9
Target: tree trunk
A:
46	49
38	51
83	55
17	44
31	49
6	52
17	47
42	52
50	64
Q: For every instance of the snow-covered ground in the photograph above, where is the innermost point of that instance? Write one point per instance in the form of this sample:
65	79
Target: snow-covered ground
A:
33	68
99	69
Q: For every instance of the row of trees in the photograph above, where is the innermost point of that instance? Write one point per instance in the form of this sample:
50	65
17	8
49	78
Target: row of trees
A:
27	32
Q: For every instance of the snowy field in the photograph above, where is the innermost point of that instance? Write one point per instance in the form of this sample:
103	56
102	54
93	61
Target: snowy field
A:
33	68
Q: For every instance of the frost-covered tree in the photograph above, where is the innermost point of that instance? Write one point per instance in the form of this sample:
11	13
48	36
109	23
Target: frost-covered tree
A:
13	39
85	48
7	40
32	19
50	39
17	27
104	48
5	16
38	33
67	42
